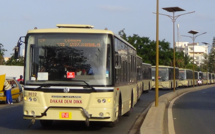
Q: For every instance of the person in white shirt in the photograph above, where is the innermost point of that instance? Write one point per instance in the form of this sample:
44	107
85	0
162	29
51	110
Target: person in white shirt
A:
7	88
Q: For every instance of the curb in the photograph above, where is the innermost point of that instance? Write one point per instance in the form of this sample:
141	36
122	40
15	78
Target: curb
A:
154	120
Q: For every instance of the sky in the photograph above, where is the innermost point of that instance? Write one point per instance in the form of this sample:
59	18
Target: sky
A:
135	17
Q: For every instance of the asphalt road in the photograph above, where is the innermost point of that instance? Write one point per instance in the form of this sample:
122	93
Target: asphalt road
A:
12	122
193	113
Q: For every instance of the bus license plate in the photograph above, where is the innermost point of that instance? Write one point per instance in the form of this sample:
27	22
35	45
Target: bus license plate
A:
65	115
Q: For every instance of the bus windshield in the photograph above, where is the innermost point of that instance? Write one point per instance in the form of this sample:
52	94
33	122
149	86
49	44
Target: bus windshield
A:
182	75
68	58
163	74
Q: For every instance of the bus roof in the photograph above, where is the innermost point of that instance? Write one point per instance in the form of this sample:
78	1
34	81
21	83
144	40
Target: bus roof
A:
185	69
74	28
164	66
139	57
147	64
70	28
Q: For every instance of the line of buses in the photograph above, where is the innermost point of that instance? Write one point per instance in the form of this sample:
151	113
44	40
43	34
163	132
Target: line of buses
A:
183	77
77	73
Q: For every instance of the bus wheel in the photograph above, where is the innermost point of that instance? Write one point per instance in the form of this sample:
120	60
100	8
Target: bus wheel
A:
46	123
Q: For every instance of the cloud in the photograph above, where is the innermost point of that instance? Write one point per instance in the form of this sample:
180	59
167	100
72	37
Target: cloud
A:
114	8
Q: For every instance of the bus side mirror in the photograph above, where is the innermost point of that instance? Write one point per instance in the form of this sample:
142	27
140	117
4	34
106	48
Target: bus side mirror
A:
16	52
17	47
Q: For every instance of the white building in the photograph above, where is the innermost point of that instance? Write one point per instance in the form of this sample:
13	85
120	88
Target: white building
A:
193	50
180	46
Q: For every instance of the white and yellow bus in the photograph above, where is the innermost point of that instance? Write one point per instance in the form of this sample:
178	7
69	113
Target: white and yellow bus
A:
185	77
139	76
165	77
78	73
196	78
205	78
209	78
212	78
147	76
144	76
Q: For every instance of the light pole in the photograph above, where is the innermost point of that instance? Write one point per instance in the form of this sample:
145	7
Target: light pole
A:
193	32
174	18
157	54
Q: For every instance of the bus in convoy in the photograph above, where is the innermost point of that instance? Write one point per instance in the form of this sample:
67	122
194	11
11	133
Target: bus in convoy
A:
147	76
212	78
200	78
78	73
196	78
139	76
205	78
166	76
185	77
209	78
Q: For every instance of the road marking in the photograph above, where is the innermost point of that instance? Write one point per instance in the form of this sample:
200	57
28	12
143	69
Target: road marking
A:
171	127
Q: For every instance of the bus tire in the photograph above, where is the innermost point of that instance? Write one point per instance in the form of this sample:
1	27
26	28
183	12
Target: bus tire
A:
46	123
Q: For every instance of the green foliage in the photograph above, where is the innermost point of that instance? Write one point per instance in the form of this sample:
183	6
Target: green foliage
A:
146	49
211	61
17	62
2	50
12	60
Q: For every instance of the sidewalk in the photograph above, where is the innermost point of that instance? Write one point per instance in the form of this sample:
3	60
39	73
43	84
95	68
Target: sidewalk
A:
155	121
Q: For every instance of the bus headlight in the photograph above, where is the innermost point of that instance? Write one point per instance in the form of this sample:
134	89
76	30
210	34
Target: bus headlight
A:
25	98
99	100
30	99
104	100
101	114
35	99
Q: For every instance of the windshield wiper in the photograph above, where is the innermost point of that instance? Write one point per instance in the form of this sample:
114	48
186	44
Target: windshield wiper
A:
86	84
42	85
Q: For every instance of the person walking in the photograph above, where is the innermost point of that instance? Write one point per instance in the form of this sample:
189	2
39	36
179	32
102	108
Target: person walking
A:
8	88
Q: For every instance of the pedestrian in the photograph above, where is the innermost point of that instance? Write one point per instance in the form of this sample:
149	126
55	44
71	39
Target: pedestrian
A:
7	88
20	79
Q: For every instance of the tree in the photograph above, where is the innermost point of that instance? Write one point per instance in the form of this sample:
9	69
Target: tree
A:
13	61
2	50
147	49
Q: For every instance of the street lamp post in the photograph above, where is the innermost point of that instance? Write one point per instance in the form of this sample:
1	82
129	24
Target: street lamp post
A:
173	18
193	32
157	54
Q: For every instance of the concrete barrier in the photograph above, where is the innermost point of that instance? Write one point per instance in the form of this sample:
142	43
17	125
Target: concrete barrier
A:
154	120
